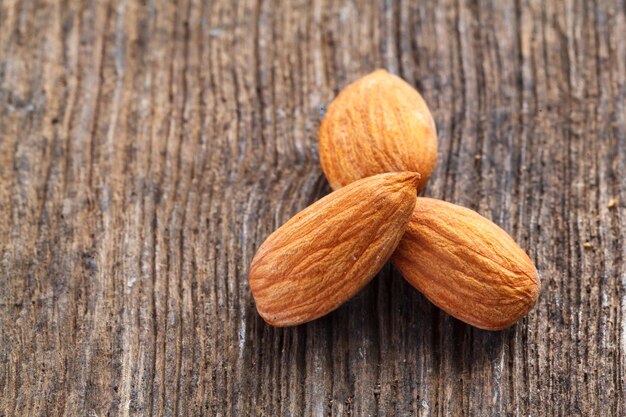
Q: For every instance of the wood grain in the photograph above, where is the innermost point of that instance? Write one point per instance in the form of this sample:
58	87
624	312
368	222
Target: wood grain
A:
148	148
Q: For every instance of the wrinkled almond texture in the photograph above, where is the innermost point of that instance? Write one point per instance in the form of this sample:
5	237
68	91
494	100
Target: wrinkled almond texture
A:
377	124
466	265
329	251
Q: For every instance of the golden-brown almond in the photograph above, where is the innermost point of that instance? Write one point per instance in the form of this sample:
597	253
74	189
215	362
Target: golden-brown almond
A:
377	124
466	265
329	251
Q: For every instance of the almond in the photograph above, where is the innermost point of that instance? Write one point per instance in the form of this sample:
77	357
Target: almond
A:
377	124
466	265
329	251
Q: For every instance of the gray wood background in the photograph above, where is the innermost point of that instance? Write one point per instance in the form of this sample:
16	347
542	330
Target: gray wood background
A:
147	149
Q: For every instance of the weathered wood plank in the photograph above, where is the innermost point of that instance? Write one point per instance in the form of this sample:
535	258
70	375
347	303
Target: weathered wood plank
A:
148	148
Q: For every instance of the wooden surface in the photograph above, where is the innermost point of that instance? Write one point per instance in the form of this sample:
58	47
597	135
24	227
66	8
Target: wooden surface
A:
147	149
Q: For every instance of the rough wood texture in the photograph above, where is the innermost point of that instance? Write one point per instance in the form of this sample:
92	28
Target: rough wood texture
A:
147	149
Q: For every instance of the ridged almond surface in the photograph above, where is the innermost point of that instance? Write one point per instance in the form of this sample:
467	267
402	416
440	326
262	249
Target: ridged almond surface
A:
377	124
467	265
329	251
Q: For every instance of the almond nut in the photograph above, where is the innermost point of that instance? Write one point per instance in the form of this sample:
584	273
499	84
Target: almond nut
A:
377	124
466	265
329	251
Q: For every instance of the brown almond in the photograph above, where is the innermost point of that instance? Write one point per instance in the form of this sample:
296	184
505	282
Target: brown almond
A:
329	251
377	124
467	265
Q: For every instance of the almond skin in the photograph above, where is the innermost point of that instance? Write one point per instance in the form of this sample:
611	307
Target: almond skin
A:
377	124
467	265
329	251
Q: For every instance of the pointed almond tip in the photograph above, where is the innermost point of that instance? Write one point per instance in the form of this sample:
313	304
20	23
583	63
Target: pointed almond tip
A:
379	73
409	177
